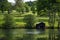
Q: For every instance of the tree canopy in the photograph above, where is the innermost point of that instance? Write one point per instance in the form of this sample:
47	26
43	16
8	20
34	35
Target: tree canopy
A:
4	5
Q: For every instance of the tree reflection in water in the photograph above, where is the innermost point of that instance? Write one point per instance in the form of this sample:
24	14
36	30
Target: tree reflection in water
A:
28	36
33	34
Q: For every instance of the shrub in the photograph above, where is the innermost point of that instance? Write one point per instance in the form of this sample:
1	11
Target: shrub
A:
29	20
8	21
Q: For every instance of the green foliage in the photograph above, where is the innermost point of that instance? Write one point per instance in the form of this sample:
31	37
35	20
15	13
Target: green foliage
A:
19	6
18	9
29	20
45	5
27	8
40	6
9	22
4	5
52	1
29	3
33	9
57	0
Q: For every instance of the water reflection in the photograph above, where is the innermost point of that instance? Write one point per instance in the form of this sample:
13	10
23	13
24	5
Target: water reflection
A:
33	34
33	31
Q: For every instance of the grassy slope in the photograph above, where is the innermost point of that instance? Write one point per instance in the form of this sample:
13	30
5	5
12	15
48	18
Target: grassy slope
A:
19	20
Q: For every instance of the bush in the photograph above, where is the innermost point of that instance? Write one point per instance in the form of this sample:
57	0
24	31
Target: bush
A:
9	22
29	20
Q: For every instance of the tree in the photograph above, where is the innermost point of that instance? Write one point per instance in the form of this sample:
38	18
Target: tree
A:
26	8
33	7
19	6
4	5
29	3
29	20
9	21
41	5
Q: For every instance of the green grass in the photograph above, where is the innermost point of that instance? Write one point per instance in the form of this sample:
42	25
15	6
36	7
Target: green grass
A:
19	20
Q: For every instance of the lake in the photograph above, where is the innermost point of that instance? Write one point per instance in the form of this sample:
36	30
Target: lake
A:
34	34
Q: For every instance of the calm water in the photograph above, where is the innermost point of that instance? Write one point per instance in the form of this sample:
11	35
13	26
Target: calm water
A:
32	34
